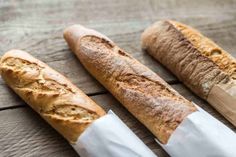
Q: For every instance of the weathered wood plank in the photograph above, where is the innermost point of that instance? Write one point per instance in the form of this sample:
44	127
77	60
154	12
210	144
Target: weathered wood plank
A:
24	133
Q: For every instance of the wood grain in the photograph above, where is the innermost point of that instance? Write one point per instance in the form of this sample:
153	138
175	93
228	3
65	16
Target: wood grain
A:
36	26
24	133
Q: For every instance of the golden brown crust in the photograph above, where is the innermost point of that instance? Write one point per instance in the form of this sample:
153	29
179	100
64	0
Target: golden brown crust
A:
208	49
49	93
189	55
149	98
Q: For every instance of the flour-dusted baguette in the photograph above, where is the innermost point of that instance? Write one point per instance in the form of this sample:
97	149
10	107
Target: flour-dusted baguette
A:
149	98
193	58
198	62
49	93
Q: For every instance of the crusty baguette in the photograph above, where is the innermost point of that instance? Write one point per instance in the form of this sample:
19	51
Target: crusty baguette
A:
149	98
49	93
196	60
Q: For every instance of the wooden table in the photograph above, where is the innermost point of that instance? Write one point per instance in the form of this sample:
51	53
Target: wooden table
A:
37	26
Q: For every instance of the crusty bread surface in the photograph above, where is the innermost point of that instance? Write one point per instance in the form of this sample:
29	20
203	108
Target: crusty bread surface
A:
196	60
149	98
49	93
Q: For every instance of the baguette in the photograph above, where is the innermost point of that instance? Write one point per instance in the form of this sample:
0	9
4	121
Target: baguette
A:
149	98
196	60
204	67
49	93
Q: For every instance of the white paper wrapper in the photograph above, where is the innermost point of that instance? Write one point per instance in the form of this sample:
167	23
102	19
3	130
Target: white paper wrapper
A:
201	135
110	137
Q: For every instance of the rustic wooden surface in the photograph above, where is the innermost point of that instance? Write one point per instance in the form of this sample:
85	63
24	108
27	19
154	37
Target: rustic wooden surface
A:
36	26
